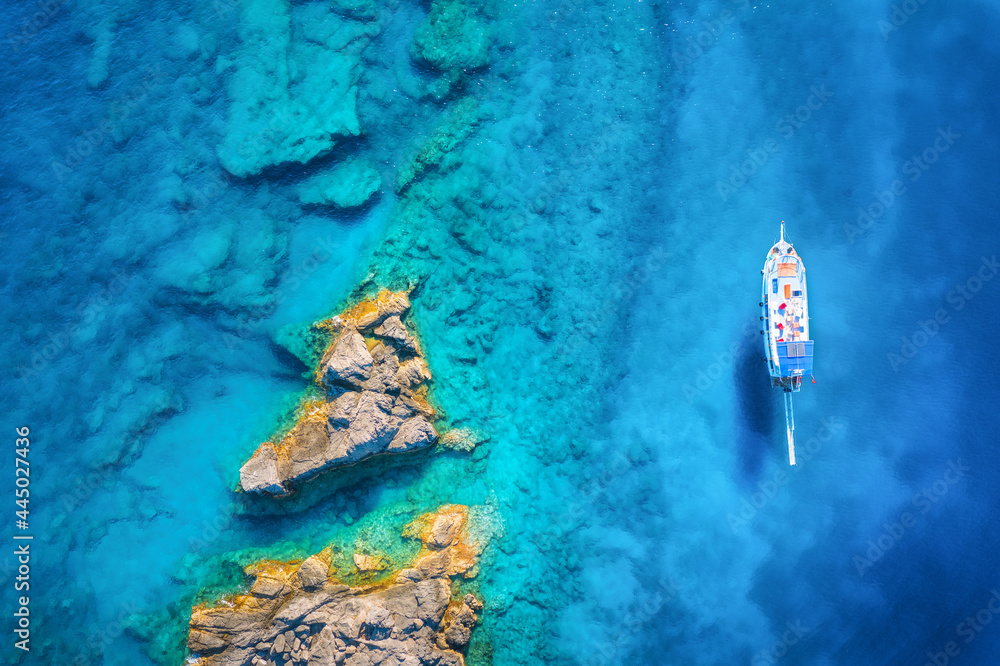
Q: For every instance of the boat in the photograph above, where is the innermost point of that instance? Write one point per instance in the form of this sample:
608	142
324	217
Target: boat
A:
785	317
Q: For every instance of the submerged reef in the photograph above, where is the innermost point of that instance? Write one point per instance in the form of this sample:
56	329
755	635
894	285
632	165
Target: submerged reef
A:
457	125
291	100
350	185
452	37
300	612
375	400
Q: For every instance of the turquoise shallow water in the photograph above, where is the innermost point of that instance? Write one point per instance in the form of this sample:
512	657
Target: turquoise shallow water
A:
587	257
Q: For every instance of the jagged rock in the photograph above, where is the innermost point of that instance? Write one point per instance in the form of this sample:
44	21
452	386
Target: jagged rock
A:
415	404
323	651
371	429
374	312
269	587
392	329
403	410
350	361
260	473
415	433
383	379
375	405
306	444
204	641
313	572
444	530
459	620
412	622
412	372
341	410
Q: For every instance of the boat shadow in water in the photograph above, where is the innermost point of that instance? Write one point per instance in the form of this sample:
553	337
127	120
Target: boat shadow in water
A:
756	406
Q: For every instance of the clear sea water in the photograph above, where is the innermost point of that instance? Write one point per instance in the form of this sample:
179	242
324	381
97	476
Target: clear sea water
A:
589	261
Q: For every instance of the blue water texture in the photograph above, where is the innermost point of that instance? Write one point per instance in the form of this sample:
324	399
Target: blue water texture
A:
648	512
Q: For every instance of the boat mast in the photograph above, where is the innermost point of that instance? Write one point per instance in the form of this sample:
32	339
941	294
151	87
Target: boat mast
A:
790	426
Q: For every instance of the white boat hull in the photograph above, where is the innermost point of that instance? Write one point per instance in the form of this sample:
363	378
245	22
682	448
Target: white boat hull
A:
785	317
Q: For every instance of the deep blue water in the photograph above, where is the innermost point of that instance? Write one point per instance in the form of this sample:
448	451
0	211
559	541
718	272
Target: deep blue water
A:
590	259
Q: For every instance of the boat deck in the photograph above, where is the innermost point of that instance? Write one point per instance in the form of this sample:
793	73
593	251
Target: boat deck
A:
786	315
786	304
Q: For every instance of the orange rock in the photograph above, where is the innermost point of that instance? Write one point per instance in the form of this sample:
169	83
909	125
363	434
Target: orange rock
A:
293	603
359	368
369	312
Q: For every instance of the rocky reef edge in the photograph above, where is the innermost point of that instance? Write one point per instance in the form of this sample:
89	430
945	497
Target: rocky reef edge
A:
300	613
374	382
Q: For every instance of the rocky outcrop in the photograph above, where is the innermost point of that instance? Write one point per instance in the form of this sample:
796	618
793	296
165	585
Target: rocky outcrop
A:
349	362
301	614
375	380
261	471
458	622
392	329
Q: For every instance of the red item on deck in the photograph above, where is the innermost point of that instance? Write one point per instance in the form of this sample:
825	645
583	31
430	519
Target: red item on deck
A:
782	306
781	327
781	339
